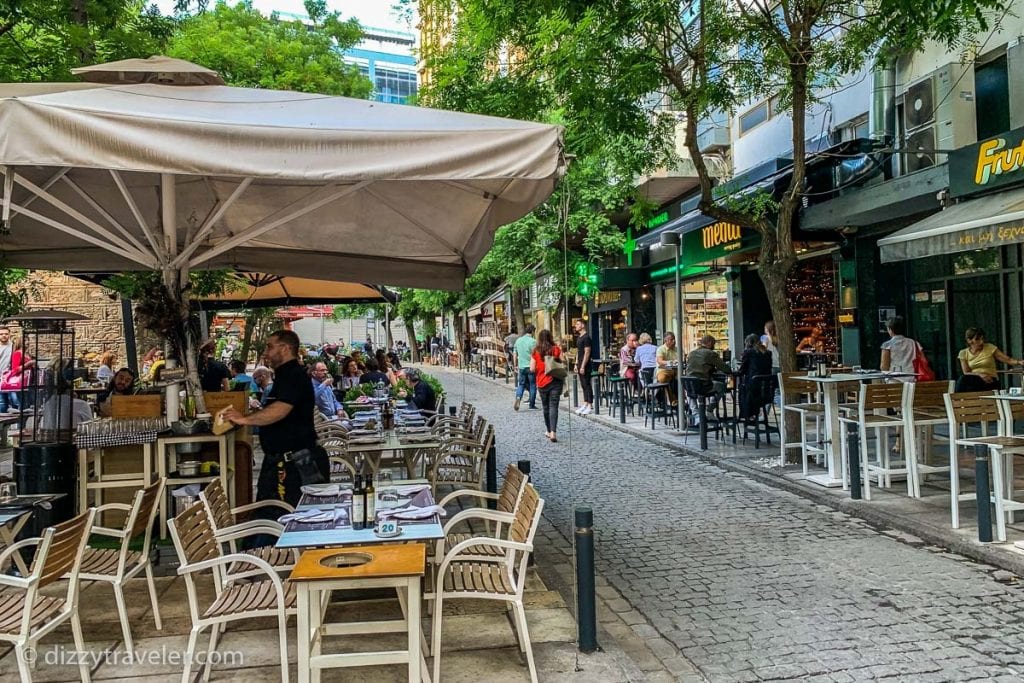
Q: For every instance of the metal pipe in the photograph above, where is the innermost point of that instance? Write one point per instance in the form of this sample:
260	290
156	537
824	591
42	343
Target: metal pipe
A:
984	496
586	601
492	474
853	460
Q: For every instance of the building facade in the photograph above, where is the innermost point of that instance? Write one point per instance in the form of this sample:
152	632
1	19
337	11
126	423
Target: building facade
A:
387	58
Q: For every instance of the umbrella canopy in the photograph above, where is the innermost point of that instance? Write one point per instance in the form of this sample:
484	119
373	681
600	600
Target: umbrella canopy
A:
177	177
264	289
156	69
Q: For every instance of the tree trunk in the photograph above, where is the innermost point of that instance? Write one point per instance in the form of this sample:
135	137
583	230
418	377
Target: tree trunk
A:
388	338
251	321
414	349
518	314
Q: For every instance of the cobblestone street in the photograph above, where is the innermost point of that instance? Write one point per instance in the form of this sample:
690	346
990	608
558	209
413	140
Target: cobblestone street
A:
752	583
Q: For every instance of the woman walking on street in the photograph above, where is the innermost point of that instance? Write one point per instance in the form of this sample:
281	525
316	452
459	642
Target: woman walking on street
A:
548	384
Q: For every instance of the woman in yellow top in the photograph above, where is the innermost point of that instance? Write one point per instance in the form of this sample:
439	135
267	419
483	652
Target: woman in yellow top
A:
978	363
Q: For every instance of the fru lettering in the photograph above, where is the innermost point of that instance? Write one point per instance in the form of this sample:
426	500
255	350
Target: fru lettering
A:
993	159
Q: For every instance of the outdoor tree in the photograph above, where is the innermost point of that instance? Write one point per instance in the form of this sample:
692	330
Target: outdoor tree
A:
481	70
612	66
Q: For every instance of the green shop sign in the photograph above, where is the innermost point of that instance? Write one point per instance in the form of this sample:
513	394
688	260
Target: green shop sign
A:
988	164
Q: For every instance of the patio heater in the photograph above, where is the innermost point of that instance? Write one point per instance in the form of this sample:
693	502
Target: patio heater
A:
44	459
674	240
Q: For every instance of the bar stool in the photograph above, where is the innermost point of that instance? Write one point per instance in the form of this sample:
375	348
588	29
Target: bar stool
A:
700	390
875	403
793	398
923	408
760	395
655	398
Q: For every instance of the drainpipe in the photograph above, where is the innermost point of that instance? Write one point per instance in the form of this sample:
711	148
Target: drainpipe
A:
881	122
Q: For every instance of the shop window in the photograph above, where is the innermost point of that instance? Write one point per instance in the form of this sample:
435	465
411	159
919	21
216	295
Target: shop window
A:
992	97
811	290
980	261
752	118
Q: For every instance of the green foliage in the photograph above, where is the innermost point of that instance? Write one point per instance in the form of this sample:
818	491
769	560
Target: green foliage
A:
250	50
358	390
42	40
15	290
434	383
203	283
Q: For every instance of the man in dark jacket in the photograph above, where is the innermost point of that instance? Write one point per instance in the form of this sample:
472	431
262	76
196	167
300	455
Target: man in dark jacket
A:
423	395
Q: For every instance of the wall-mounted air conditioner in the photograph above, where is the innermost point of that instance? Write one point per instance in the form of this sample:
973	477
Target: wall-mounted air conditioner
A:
938	114
713	132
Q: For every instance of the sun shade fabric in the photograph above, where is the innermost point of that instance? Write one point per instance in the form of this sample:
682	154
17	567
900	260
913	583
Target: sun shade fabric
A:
260	289
157	68
990	221
410	196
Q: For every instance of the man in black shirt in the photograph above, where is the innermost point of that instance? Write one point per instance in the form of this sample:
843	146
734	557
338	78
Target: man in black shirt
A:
583	345
373	375
285	422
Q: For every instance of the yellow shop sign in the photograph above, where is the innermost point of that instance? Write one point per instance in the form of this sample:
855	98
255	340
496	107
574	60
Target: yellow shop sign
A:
721	233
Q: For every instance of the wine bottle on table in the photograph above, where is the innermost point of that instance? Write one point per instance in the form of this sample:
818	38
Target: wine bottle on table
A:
371	503
358	504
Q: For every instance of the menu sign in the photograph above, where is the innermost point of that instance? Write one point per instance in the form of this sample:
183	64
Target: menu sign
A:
987	164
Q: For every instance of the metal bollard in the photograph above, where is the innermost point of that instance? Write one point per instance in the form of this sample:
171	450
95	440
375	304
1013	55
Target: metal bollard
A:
853	460
452	410
586	603
492	474
622	401
575	390
524	467
981	471
595	388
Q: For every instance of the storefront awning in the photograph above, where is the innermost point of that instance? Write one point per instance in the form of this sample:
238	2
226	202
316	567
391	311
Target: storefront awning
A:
989	221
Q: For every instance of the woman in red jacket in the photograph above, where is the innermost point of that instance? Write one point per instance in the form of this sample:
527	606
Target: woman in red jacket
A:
550	387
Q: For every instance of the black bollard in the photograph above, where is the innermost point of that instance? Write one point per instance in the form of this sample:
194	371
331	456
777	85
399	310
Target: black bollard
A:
576	390
702	412
853	460
621	391
981	468
595	388
492	474
586	606
452	410
524	467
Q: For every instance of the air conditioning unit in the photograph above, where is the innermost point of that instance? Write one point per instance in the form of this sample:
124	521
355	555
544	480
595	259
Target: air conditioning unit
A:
713	132
938	113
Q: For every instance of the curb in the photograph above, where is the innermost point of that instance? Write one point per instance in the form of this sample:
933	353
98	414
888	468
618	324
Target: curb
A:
929	534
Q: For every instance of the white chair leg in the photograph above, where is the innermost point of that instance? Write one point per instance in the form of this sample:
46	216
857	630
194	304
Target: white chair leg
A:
996	467
24	671
525	635
83	657
215	632
910	458
435	634
190	654
954	480
865	463
803	442
282	634
152	597
122	612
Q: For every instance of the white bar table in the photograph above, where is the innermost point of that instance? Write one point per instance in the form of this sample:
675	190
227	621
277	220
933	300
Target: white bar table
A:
1007	493
829	387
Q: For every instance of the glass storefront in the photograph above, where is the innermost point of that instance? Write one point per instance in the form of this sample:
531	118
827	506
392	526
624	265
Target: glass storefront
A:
705	304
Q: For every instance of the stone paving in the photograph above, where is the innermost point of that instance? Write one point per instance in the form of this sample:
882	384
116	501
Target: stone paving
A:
751	583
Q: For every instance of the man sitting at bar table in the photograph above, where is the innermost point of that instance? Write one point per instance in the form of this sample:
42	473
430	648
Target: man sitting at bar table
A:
667	358
323	392
701	363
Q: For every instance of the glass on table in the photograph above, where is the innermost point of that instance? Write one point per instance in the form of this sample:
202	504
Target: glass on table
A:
8	489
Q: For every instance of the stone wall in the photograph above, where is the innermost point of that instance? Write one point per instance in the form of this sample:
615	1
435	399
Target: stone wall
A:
101	332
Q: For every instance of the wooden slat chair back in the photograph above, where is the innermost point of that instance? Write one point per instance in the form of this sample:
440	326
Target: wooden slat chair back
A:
26	616
881	396
462	574
117	566
802	398
199	551
507	501
227	527
930	395
462	462
793	388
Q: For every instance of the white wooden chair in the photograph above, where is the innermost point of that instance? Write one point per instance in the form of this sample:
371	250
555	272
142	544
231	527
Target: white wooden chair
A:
874	402
25	615
198	551
792	394
923	409
508	499
116	565
461	463
462	574
228	530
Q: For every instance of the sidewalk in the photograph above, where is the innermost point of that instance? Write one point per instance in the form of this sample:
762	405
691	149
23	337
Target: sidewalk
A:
924	521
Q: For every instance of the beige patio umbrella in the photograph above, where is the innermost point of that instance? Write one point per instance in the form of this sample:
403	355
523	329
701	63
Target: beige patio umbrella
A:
150	175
